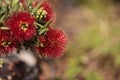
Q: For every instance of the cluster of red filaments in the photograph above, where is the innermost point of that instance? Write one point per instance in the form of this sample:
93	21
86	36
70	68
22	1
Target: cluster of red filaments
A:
22	29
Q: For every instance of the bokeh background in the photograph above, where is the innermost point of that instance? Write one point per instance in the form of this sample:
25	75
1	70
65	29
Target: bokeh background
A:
93	28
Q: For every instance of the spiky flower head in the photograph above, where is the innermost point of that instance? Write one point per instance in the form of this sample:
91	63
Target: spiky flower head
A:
45	11
21	25
53	43
7	43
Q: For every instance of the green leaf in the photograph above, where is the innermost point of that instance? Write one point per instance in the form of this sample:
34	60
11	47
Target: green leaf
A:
29	2
39	25
36	8
48	23
4	11
43	31
15	2
15	5
2	18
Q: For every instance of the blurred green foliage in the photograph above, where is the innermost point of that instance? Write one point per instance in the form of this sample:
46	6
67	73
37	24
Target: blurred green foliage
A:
94	76
97	46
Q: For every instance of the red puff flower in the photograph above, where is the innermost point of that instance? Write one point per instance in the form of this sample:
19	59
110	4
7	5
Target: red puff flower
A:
21	25
7	44
50	15
53	44
48	8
